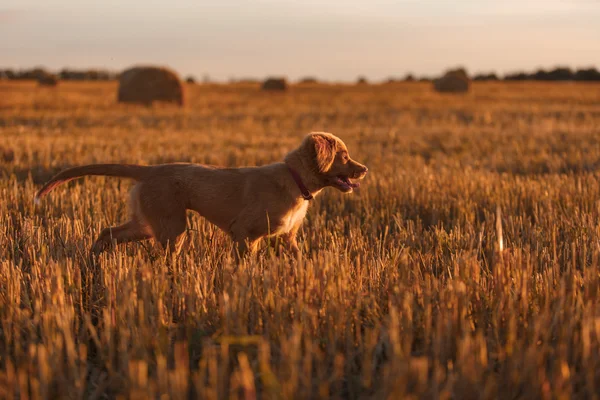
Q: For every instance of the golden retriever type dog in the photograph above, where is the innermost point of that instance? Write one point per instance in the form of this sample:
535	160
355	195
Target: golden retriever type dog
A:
248	203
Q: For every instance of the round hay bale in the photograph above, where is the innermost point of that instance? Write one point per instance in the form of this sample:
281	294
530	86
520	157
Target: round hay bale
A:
454	81
309	80
47	79
145	85
275	84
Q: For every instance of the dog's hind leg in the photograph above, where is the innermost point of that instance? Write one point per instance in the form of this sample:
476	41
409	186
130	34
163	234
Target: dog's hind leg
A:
170	237
161	205
131	231
168	228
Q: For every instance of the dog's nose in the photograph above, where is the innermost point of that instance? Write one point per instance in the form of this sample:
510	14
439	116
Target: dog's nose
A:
365	169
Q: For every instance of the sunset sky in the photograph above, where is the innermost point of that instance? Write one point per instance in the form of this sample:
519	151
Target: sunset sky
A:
334	40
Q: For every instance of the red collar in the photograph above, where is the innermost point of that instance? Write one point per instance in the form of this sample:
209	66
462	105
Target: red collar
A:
305	193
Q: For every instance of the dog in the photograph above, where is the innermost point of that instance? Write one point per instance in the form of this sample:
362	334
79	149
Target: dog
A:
248	203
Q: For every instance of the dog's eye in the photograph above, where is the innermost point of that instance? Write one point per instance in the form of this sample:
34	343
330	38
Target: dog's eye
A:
345	157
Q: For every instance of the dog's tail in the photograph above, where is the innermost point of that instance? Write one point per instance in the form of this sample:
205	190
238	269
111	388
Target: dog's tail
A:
137	172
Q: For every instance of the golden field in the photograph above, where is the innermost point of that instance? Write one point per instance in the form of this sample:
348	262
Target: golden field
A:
466	265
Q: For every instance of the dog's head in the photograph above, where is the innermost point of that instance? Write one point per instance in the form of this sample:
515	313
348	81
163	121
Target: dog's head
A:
331	162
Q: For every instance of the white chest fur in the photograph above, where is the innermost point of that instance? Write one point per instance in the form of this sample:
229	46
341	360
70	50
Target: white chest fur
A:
292	218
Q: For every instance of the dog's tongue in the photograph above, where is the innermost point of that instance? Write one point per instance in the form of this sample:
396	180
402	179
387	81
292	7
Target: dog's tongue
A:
346	181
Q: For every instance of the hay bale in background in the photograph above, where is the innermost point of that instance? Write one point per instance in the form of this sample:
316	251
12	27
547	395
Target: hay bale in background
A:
190	79
275	84
361	80
47	79
309	79
145	85
453	81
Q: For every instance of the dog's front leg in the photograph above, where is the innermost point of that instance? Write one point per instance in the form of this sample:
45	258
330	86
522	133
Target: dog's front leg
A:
244	241
244	246
290	242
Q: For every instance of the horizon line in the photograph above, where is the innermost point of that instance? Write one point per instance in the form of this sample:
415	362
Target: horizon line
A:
242	77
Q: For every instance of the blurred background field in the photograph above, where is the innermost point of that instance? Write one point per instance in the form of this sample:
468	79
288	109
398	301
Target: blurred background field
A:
404	288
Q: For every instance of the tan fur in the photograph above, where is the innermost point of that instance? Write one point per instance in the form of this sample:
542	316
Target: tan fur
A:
248	203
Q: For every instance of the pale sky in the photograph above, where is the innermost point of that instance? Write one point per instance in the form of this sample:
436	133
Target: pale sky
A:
329	39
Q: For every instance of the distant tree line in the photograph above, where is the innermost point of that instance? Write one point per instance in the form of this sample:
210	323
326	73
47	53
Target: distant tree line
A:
87	75
65	74
556	74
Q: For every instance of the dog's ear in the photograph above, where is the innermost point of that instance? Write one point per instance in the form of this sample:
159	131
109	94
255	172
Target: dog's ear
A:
324	151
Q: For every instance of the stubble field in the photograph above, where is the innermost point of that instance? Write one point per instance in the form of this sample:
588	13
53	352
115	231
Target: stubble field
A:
466	265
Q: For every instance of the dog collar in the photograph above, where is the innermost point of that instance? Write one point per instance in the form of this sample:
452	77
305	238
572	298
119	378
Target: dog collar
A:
305	193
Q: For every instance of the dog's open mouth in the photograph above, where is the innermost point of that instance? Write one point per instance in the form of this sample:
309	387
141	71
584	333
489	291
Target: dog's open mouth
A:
344	183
